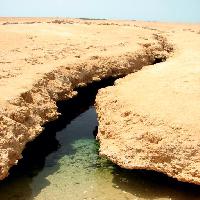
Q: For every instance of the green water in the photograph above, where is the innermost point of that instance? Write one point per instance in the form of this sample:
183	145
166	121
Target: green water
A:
75	171
63	164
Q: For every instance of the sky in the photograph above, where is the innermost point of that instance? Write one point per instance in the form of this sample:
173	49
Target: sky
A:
149	10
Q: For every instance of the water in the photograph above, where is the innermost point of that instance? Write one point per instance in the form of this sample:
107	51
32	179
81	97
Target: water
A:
63	163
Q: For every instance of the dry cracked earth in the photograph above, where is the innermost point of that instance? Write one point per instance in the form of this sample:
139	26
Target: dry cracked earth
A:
147	120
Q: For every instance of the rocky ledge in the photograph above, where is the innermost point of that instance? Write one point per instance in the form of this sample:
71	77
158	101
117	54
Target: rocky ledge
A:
150	119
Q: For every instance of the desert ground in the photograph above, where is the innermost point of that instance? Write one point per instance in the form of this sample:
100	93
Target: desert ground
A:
147	120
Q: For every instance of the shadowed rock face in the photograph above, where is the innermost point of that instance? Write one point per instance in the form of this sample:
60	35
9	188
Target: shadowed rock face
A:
150	119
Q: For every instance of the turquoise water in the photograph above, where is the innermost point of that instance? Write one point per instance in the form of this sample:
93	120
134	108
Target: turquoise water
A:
63	163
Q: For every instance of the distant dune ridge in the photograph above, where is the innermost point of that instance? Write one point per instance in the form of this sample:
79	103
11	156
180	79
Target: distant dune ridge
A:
148	120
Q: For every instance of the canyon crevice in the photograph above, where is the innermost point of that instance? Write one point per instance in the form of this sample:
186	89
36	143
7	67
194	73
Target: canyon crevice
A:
49	61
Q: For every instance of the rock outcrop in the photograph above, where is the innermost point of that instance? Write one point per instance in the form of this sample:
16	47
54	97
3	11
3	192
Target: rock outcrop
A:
150	119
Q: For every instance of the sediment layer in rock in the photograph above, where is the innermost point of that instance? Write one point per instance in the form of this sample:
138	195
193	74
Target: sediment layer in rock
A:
150	119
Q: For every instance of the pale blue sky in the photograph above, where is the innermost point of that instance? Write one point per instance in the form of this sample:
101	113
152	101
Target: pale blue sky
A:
154	10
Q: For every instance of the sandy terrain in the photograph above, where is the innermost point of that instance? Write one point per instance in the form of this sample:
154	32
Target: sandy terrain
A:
150	119
44	60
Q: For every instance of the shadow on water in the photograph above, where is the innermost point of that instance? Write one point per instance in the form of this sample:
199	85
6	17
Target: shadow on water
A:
153	185
34	156
56	142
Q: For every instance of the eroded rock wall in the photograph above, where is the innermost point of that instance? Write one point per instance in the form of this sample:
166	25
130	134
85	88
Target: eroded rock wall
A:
21	119
150	119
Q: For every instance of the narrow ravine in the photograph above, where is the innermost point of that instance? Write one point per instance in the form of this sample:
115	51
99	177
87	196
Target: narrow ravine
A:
28	110
63	163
